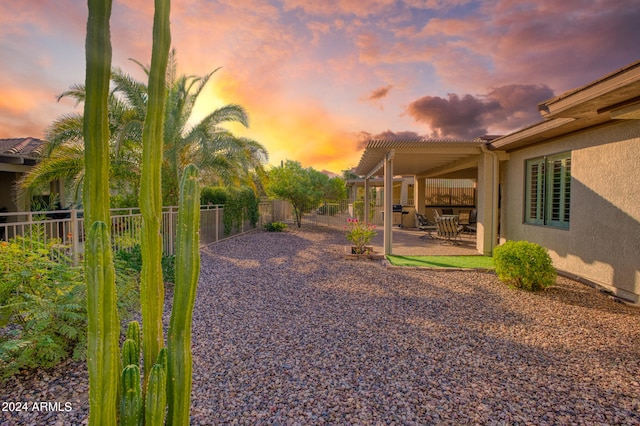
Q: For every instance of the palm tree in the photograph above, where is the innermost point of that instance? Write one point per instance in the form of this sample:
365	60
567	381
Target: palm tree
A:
221	156
64	151
217	152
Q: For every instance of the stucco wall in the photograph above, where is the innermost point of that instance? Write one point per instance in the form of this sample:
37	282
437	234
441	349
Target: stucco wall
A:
602	243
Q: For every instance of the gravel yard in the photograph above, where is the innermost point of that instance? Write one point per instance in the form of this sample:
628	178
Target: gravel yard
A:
288	332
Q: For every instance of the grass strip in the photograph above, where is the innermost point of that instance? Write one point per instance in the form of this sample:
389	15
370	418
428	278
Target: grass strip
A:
471	262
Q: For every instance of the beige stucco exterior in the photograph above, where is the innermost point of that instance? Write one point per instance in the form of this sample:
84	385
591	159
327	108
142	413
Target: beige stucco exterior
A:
602	243
599	124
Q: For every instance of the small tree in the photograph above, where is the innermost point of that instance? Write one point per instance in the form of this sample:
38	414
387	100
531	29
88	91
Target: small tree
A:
297	185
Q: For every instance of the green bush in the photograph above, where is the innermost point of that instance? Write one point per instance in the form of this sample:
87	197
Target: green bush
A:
241	204
132	259
329	209
213	195
524	265
275	226
43	308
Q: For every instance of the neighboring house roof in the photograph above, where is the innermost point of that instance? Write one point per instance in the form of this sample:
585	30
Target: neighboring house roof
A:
615	96
21	150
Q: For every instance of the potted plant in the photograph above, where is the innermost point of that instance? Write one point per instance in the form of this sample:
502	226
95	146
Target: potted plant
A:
360	235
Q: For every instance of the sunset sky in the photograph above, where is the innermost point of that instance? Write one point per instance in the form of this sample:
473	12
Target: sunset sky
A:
319	78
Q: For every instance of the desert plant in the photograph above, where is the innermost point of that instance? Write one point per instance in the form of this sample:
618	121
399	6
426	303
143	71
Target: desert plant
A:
42	309
103	323
167	371
276	226
359	234
186	274
524	265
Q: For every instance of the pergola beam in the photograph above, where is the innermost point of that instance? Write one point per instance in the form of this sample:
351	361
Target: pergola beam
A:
387	157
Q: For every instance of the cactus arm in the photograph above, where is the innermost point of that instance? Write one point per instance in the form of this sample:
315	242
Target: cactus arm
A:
156	400
152	286
103	328
133	333
186	281
129	353
131	402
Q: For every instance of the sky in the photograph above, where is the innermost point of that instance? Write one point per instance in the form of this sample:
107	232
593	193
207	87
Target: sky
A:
320	78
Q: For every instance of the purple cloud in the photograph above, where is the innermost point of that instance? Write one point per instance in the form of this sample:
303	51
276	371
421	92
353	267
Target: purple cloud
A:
504	109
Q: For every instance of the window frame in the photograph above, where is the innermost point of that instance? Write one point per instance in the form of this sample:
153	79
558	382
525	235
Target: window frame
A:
547	190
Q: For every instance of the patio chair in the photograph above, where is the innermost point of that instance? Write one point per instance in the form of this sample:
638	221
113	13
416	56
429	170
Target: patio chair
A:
424	225
471	227
449	229
464	216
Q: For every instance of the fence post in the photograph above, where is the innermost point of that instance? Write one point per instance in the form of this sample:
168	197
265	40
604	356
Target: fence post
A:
75	238
217	220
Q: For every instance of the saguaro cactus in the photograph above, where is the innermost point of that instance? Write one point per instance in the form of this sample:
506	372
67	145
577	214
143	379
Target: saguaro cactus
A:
152	285
186	277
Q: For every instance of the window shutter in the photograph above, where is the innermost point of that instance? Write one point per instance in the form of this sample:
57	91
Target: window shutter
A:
558	190
534	191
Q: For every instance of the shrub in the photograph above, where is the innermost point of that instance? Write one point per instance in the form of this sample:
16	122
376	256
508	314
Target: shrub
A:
241	204
132	259
360	235
329	209
275	226
524	265
213	195
43	308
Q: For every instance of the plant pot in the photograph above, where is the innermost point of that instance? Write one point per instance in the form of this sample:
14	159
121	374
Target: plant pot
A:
368	255
362	250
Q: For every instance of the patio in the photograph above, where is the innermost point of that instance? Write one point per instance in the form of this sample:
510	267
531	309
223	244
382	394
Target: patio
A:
407	242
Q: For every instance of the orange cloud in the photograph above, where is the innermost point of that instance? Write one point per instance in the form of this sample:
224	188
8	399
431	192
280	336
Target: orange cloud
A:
289	127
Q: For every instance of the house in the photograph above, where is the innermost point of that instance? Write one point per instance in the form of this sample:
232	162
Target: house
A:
570	183
17	157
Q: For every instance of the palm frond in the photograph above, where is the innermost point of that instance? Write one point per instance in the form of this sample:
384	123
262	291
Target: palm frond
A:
76	91
67	128
130	89
227	113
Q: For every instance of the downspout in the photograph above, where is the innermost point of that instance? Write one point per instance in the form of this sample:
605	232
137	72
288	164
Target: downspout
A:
494	195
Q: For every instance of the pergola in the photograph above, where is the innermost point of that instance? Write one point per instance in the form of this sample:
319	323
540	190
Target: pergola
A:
428	158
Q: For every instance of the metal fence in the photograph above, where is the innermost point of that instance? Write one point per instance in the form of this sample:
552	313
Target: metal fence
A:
64	231
332	214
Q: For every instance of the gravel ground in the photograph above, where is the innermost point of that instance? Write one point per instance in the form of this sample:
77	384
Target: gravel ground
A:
287	332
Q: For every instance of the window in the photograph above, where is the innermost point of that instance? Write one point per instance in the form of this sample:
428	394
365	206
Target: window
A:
548	190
